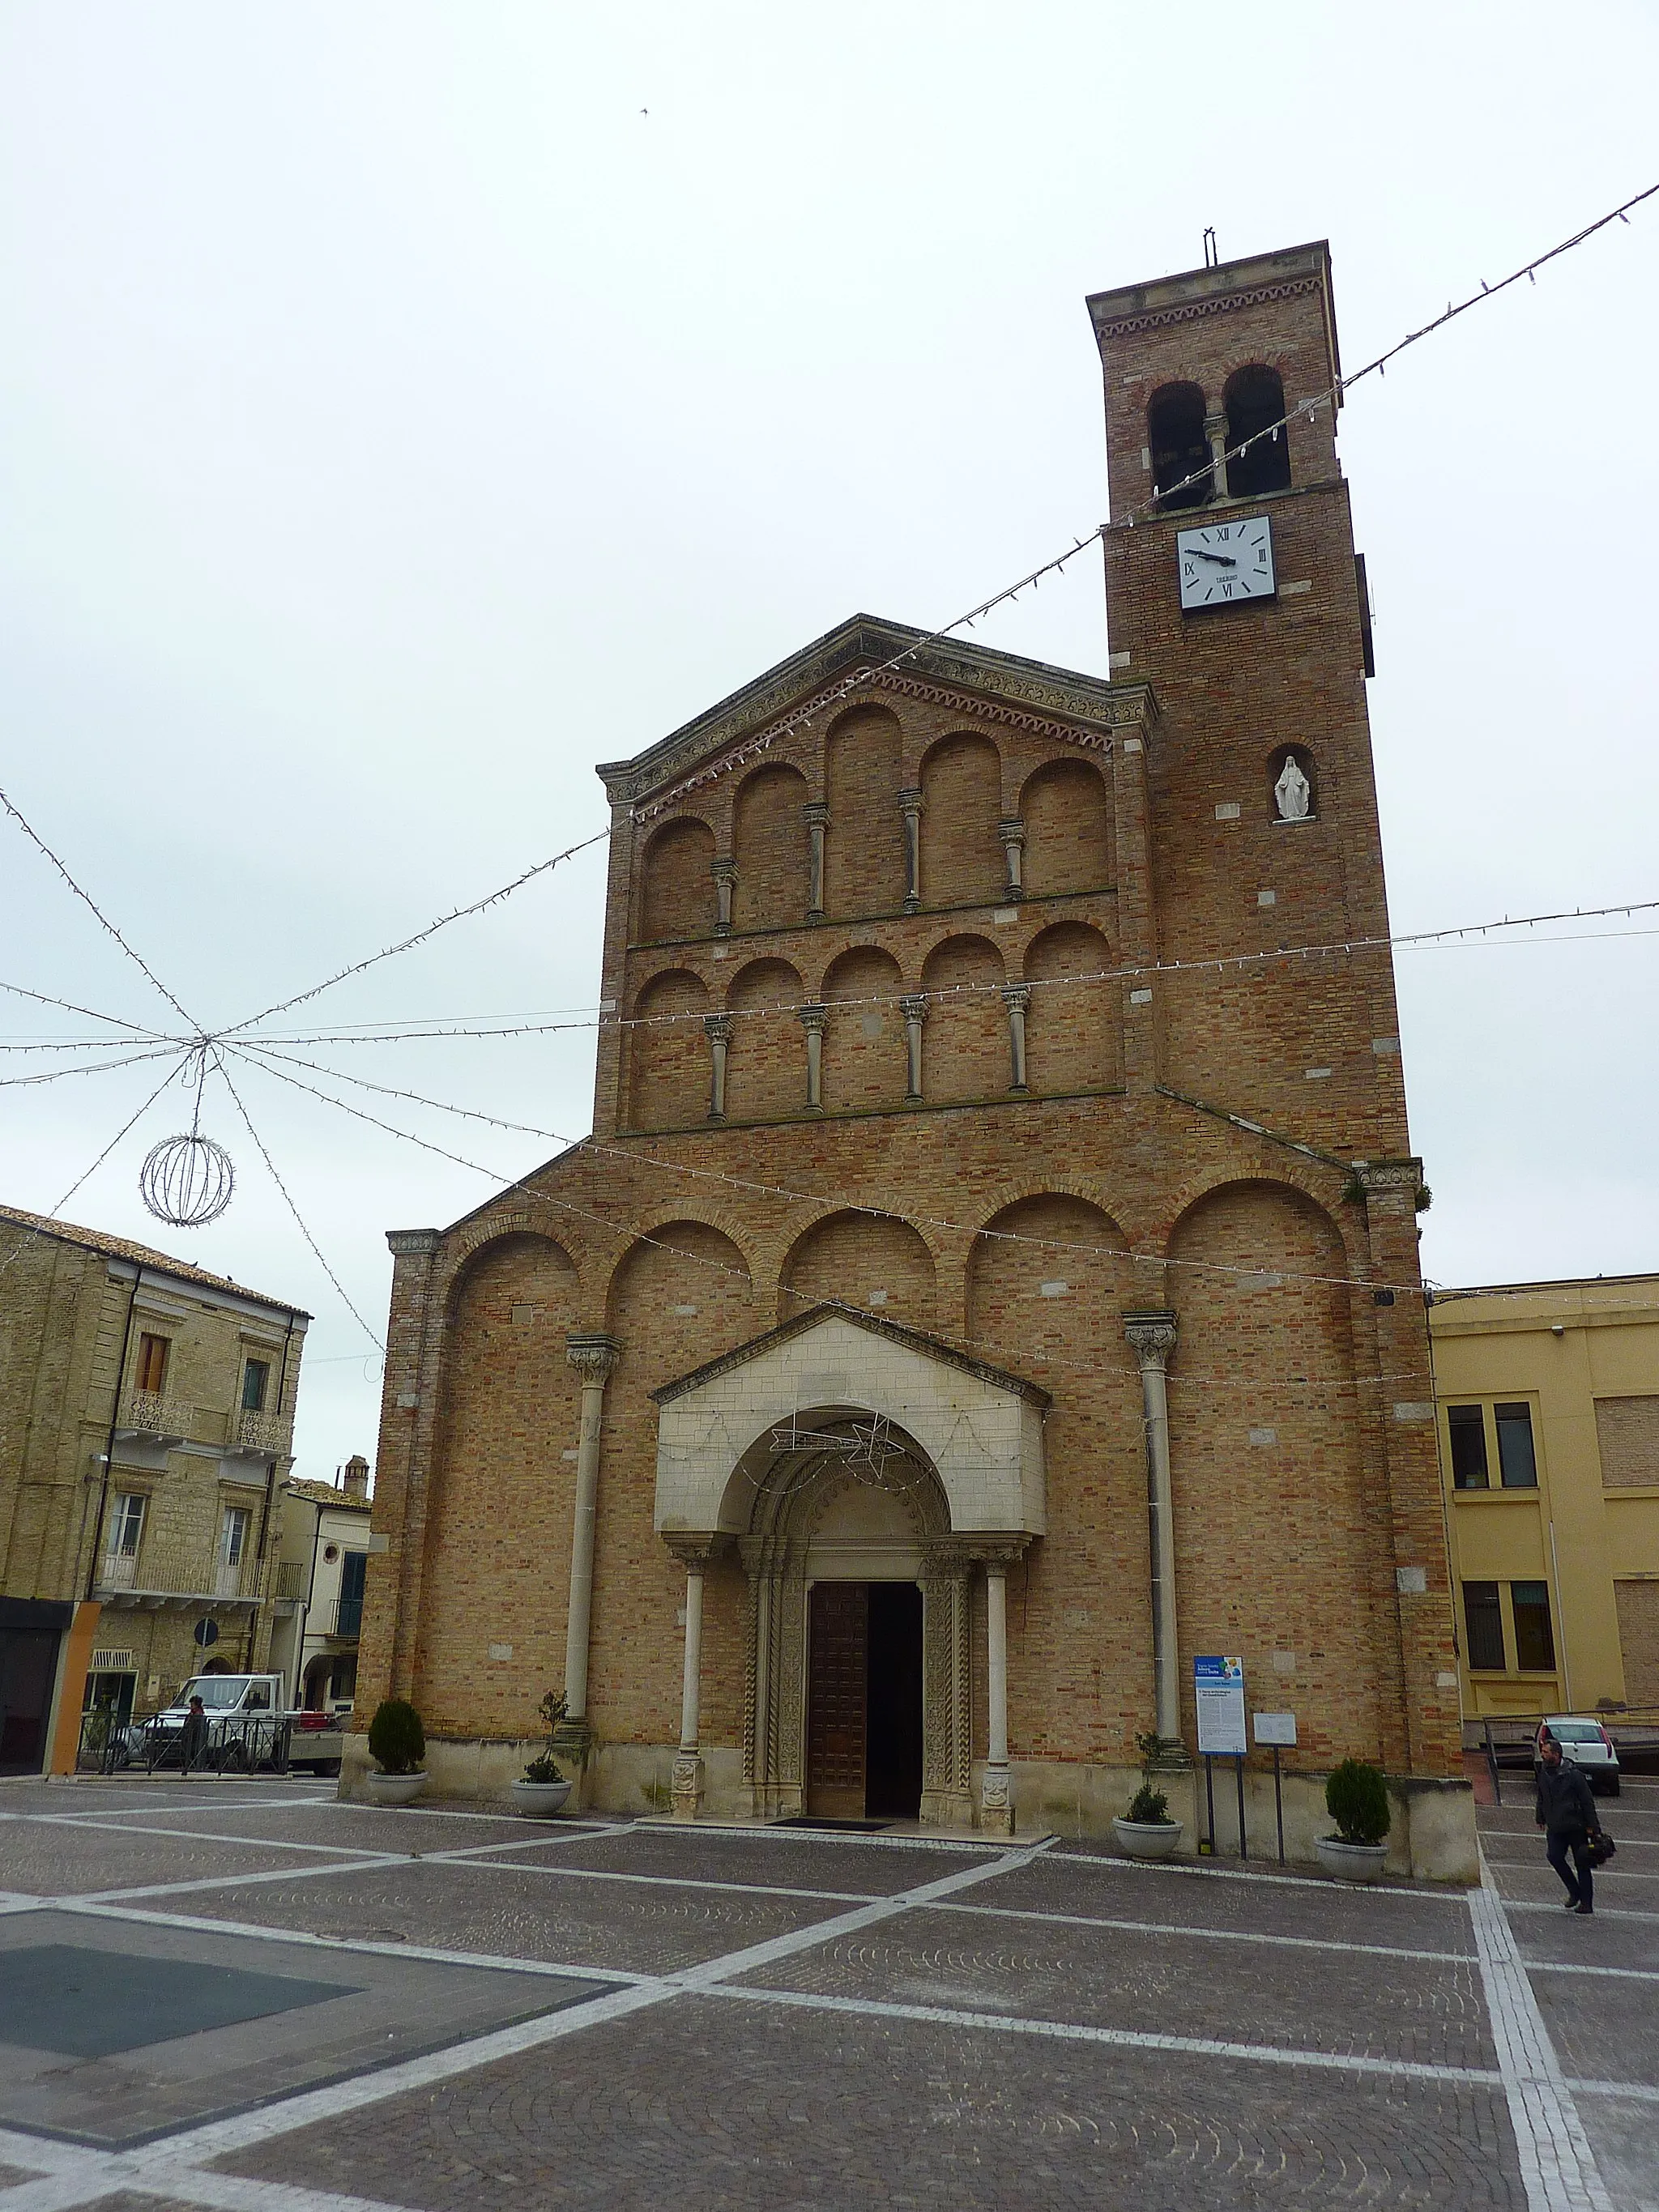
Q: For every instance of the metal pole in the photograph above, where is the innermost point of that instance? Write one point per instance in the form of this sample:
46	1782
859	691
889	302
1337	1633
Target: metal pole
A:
1243	1845
1279	1806
1209	1796
1492	1768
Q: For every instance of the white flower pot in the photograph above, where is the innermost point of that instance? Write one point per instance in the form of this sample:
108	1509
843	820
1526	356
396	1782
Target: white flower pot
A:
537	1799
393	1789
1351	1862
1147	1839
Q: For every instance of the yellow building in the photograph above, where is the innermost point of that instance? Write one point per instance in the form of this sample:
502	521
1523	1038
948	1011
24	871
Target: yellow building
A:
1548	1403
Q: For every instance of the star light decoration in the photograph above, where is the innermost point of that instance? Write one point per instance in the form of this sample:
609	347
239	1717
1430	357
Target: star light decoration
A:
865	1448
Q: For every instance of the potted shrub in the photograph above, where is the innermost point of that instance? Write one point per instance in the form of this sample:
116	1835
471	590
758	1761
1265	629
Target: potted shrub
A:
396	1743
542	1789
1147	1831
1357	1798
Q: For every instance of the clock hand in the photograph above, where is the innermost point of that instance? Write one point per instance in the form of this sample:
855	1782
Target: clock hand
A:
1220	559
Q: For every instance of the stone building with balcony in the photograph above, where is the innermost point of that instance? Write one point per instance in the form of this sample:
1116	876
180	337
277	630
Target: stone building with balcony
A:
146	1420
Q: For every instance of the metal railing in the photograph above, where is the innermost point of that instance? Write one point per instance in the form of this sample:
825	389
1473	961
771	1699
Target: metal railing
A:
237	1743
348	1619
160	1569
154	1414
292	1576
270	1432
1509	1739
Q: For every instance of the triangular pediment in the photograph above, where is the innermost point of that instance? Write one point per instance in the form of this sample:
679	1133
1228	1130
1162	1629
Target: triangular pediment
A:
830	1318
1002	686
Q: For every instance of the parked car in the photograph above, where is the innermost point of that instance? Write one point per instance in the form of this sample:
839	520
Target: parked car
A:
1587	1744
249	1726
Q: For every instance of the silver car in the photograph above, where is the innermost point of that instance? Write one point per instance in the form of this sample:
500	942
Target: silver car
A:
1587	1745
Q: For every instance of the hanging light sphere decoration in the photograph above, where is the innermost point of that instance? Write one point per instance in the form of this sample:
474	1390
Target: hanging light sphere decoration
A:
187	1181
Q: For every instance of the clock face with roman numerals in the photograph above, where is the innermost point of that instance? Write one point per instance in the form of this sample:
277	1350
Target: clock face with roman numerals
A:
1222	562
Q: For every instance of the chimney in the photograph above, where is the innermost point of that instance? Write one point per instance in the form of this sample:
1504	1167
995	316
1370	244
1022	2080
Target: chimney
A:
356	1476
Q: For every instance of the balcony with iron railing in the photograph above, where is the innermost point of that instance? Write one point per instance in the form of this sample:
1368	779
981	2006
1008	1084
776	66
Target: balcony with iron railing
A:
153	1415
293	1577
263	1432
346	1617
158	1571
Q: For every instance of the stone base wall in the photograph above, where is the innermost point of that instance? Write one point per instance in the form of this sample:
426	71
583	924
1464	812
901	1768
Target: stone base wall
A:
1432	1838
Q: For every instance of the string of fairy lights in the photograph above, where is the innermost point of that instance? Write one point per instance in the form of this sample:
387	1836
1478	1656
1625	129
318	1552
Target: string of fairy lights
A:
188	1179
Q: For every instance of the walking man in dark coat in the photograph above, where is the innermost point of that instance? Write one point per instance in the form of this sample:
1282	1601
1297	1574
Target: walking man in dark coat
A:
1566	1813
193	1744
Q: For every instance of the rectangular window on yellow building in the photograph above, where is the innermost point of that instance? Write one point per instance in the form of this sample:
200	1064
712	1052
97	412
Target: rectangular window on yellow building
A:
1467	1425
1535	1645
1515	1460
1483	1616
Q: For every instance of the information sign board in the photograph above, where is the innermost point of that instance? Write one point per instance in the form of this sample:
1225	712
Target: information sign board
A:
1218	1687
1275	1728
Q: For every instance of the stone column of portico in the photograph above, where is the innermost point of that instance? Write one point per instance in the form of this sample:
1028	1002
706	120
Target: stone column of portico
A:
910	808
686	1780
815	1020
1011	830
914	1011
592	1357
1017	997
996	1812
1151	1337
718	1029
818	821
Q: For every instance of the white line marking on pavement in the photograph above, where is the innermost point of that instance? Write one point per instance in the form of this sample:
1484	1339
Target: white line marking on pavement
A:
1125	2038
226	1882
1211	1935
1641	2093
1607	1913
682	1882
200	1835
1558	2168
1212	1872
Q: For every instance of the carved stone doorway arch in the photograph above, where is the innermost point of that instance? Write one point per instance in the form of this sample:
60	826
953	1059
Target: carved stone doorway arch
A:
845	1496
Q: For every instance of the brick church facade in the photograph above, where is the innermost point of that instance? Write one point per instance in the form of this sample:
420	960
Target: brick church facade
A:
993	1278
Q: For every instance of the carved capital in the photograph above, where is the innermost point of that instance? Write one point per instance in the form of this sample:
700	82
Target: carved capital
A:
592	1357
717	1028
724	869
1017	997
1389	1175
399	1241
814	813
1012	830
1152	1336
914	1009
814	1017
694	1549
909	801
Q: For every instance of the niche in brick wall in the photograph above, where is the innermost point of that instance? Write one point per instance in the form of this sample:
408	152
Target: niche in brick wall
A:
769	843
965	1051
864	1055
766	1061
667	1053
675	1301
863	854
1068	829
1073	1029
962	856
1273	1546
676	889
870	1260
509	1397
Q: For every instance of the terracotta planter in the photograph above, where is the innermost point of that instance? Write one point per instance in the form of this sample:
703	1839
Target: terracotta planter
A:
1351	1862
1148	1839
393	1789
537	1800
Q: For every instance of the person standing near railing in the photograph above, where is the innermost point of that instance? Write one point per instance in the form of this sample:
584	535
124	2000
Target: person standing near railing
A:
192	1737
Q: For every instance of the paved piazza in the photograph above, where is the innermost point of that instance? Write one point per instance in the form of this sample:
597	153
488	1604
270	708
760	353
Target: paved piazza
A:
247	1996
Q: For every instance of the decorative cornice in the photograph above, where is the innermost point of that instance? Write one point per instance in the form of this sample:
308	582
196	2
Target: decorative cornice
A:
912	1339
1189	311
1074	709
399	1241
1389	1175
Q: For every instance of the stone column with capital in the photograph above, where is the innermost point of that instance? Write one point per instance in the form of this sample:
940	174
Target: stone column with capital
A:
1153	1338
910	808
687	1778
815	1019
996	1810
1011	830
718	1029
592	1357
914	1011
725	873
1215	431
1017	997
816	815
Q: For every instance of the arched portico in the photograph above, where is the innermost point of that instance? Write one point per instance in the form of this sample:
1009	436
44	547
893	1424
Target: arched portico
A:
846	1461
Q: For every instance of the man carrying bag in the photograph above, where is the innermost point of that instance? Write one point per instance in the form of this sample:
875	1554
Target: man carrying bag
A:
1566	1812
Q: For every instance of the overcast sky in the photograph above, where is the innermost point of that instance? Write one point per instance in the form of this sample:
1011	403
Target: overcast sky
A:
402	407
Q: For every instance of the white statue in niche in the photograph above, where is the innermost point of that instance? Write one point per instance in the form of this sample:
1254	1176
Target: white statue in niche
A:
1292	793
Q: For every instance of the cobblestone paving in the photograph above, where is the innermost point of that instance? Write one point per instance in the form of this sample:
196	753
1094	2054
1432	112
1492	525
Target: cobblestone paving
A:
798	2020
